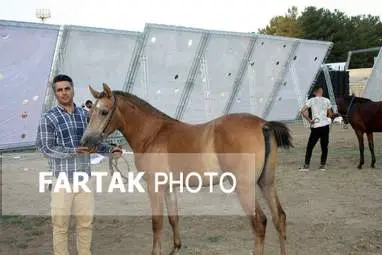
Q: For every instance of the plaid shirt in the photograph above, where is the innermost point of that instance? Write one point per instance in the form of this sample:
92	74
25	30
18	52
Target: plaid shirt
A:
59	134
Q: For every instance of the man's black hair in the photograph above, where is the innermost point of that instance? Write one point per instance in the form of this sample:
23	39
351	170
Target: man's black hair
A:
317	88
61	77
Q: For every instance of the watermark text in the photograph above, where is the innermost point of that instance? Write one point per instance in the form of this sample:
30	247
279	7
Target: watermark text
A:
192	182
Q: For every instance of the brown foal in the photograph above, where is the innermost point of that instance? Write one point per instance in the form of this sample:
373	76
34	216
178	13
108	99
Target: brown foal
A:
243	143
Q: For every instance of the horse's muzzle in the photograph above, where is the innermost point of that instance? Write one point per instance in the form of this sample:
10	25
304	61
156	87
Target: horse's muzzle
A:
90	140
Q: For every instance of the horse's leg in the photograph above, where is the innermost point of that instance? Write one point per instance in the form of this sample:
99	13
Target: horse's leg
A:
257	217
157	226
361	148
278	214
156	199
267	185
259	224
172	210
371	147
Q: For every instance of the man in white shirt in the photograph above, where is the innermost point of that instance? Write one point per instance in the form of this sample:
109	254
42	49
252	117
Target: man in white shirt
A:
321	108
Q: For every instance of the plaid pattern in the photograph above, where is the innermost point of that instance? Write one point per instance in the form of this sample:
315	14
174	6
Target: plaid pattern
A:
59	133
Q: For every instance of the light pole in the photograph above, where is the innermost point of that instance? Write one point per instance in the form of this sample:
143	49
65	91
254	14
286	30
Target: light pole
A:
43	14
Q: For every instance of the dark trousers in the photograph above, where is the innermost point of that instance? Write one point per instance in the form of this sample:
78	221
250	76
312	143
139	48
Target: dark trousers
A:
321	133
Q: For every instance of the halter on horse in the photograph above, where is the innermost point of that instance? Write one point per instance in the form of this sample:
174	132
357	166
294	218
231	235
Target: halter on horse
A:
365	116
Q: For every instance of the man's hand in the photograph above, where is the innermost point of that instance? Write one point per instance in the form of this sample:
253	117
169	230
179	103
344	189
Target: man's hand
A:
82	149
304	113
330	113
116	152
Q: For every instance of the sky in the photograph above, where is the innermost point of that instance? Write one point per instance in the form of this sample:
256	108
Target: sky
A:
226	15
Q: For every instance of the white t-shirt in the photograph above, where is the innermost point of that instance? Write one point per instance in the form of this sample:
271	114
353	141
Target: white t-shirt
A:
320	107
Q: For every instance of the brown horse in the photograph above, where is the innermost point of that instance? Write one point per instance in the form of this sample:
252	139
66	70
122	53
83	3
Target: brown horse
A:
151	132
365	116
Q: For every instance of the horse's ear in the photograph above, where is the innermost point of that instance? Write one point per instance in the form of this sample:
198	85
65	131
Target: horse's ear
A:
107	90
95	93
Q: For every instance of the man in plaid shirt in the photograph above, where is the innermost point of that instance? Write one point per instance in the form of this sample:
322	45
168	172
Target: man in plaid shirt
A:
59	134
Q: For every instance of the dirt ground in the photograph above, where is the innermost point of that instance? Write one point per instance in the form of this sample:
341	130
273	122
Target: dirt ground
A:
334	212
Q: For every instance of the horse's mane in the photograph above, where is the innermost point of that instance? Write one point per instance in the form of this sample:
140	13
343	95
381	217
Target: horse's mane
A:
357	99
144	105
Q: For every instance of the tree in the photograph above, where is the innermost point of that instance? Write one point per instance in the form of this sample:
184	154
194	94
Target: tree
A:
322	24
286	25
347	33
367	33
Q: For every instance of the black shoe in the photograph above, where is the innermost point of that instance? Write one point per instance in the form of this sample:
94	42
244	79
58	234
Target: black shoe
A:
305	168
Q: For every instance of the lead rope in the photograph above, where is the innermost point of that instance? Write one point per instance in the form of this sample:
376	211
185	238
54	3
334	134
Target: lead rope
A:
329	86
347	113
113	164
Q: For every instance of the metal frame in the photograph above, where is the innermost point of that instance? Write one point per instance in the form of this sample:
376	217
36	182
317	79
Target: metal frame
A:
318	72
116	136
102	30
132	71
315	77
350	53
303	41
69	28
205	86
329	86
279	81
241	74
314	81
49	94
299	94
193	73
373	71
11	23
138	59
133	68
21	24
190	82
197	30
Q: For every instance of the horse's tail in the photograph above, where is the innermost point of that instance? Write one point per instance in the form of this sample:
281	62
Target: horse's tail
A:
281	133
282	136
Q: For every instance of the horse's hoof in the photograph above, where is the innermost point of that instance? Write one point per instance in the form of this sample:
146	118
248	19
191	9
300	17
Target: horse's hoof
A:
360	167
156	252
372	166
175	252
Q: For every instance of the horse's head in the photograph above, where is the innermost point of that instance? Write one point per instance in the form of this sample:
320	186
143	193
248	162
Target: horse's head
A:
346	104
103	120
342	105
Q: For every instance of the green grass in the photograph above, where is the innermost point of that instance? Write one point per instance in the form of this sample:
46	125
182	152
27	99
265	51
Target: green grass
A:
16	220
214	239
24	222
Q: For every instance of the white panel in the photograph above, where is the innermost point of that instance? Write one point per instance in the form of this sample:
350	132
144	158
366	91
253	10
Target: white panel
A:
373	89
220	65
141	83
169	53
26	55
93	56
265	67
198	108
302	71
